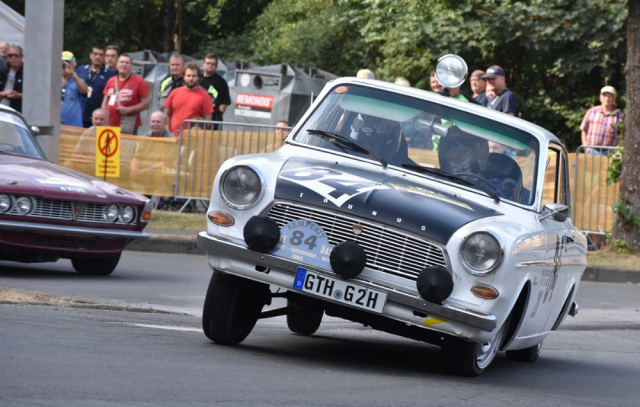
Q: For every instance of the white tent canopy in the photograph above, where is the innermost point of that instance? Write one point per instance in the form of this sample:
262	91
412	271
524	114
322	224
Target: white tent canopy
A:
11	25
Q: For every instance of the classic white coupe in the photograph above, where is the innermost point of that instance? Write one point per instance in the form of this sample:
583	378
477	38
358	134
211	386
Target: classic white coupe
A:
403	210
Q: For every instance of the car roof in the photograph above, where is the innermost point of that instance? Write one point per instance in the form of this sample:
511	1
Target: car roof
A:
535	130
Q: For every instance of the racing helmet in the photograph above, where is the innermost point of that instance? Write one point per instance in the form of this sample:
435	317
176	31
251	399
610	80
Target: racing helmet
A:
461	152
382	137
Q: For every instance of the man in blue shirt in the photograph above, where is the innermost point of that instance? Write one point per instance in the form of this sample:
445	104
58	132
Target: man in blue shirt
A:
503	99
95	75
73	87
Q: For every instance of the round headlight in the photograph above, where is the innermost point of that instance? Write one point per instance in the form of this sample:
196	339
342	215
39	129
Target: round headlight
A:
111	213
5	203
481	253
451	71
127	214
240	187
24	205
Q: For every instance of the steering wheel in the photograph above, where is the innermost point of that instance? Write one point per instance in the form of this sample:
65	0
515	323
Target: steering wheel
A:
478	177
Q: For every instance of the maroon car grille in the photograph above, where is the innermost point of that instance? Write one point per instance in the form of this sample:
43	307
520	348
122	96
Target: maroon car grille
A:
64	210
388	250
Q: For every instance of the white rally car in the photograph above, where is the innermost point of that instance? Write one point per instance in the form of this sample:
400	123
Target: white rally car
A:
403	210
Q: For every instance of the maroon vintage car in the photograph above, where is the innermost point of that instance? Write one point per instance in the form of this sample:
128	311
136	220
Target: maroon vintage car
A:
49	212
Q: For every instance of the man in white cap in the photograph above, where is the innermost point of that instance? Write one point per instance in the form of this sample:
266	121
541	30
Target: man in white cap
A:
366	74
598	125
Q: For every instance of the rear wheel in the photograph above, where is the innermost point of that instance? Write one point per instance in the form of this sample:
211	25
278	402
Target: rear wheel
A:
526	355
232	307
463	358
96	266
306	321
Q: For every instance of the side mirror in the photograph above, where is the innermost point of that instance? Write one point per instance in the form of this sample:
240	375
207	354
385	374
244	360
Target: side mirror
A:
558	211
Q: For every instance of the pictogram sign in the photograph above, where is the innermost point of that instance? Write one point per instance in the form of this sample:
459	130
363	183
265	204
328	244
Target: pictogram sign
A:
108	152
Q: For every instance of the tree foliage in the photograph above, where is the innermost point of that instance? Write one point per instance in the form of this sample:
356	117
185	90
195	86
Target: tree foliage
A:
557	53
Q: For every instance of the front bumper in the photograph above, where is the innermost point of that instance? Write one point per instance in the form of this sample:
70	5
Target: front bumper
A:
400	306
95	233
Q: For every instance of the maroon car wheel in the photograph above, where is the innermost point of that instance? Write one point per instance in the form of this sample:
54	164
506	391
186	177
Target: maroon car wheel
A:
96	266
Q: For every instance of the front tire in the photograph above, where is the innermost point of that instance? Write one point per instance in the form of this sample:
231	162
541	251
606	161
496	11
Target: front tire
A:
232	307
526	355
470	359
96	266
305	322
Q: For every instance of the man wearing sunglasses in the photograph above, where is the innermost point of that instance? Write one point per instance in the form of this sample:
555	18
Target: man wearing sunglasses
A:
11	79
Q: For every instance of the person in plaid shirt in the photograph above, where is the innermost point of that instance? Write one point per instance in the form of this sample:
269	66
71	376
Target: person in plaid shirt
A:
598	124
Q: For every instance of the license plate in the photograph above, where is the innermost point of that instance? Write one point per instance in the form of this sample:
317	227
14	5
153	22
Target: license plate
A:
338	290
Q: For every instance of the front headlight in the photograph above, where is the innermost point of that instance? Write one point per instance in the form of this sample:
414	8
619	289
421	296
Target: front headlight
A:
241	187
111	213
127	214
481	253
5	203
24	204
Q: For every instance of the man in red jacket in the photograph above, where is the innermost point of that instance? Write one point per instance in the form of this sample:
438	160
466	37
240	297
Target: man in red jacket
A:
188	102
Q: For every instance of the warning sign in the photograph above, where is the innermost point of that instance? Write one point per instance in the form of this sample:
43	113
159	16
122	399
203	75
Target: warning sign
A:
254	105
108	152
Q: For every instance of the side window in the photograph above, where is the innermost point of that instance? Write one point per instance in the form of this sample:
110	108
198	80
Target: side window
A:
554	188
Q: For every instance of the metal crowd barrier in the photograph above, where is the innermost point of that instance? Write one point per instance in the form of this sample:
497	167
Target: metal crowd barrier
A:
592	198
205	145
184	169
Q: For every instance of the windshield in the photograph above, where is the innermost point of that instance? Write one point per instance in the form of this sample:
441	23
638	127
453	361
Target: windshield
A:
15	138
420	136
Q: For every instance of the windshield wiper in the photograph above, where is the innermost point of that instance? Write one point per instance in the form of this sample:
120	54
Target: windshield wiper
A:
455	178
346	141
438	172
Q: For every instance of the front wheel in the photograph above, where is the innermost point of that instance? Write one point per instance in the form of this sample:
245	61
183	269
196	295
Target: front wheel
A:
232	307
526	355
96	266
306	321
470	359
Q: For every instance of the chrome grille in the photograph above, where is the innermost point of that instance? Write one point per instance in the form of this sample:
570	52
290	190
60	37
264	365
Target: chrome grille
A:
63	210
387	250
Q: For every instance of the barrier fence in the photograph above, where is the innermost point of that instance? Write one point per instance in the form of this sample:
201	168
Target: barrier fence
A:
185	167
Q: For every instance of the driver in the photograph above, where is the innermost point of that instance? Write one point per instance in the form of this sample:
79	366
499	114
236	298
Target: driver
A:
381	137
460	152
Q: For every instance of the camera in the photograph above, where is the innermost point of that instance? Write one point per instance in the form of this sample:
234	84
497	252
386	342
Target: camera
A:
64	66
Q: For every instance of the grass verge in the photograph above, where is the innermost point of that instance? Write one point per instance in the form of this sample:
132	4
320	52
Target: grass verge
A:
607	258
180	221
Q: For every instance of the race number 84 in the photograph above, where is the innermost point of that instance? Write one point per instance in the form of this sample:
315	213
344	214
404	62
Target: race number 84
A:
298	238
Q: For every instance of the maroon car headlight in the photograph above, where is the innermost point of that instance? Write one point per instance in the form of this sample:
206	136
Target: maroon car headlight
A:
25	205
5	203
111	213
128	214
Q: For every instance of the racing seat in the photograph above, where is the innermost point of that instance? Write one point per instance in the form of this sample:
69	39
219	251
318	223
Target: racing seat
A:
505	174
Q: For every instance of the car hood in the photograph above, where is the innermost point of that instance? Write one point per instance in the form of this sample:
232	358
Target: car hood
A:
29	176
396	200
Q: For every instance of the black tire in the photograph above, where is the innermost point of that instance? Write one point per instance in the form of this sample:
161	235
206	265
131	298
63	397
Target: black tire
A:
470	359
305	322
232	307
526	355
95	266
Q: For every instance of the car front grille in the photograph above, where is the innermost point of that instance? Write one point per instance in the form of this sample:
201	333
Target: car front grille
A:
387	250
64	210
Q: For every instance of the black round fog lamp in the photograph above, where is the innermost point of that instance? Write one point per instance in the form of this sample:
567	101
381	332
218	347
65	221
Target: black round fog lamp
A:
435	284
261	234
347	259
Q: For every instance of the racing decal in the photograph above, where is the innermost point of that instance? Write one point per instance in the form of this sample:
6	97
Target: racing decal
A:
73	189
335	186
61	181
433	321
304	241
431	194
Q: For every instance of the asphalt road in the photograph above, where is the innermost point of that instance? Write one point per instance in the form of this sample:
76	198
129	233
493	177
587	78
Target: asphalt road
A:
55	356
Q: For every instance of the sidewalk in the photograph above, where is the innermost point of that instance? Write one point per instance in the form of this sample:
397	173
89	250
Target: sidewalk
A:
185	241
